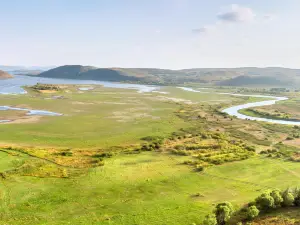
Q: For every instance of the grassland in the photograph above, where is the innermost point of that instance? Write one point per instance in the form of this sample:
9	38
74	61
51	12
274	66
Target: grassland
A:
149	188
91	166
100	118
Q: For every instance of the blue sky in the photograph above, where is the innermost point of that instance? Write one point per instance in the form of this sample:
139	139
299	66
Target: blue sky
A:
155	33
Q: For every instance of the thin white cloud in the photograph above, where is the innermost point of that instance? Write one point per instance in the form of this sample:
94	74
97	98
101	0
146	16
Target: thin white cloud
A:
203	30
237	14
269	17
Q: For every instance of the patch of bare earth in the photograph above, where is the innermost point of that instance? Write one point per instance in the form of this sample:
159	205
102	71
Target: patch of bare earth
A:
133	114
295	142
47	91
276	221
169	99
27	119
82	103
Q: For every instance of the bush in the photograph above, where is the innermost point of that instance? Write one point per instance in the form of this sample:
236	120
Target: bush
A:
210	220
252	212
223	212
200	168
250	148
65	153
277	198
180	152
297	197
265	201
103	155
288	198
289	138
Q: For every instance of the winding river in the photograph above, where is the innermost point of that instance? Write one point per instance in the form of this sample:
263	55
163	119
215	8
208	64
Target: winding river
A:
234	110
14	86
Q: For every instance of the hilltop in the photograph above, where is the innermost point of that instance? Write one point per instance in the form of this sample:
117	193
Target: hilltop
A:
4	75
247	76
88	73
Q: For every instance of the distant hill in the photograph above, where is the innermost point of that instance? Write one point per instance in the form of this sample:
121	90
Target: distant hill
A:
271	76
92	73
4	75
253	81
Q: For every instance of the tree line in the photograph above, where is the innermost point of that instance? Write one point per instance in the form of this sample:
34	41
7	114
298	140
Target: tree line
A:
267	202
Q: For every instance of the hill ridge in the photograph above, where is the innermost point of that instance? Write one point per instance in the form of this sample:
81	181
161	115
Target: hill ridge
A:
243	76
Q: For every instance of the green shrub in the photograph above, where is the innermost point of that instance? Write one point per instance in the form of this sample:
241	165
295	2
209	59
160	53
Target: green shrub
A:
250	148
210	220
252	212
66	153
288	198
180	152
278	200
223	212
265	201
297	196
103	155
289	138
200	168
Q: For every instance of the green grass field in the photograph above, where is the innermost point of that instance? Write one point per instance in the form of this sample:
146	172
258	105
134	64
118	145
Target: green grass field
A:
100	118
148	188
51	177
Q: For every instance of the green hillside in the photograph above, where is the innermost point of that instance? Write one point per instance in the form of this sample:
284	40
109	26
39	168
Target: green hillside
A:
255	81
271	76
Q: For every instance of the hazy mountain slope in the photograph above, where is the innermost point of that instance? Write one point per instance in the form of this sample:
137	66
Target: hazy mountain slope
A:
70	72
88	73
255	81
220	76
4	75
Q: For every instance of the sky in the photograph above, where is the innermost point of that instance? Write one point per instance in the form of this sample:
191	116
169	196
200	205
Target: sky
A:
172	34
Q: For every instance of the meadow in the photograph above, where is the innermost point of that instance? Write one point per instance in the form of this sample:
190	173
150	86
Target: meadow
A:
149	188
99	118
121	157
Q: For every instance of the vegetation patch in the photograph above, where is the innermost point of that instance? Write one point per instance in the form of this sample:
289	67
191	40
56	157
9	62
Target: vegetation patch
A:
267	202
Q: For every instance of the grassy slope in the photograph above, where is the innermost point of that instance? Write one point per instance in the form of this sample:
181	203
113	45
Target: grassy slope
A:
150	188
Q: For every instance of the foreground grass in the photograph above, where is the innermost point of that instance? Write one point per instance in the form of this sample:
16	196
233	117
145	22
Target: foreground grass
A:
149	188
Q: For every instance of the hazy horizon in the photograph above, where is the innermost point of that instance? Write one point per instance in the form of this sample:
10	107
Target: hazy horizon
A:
167	34
37	67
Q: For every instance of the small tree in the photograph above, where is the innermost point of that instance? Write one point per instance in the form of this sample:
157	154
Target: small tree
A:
223	212
265	201
277	198
297	196
288	198
210	220
252	212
